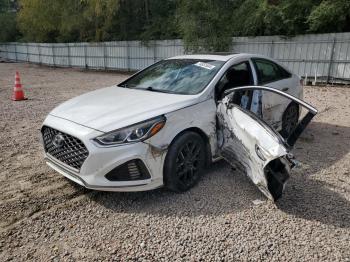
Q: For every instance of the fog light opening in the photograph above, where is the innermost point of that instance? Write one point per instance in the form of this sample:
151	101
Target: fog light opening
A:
129	171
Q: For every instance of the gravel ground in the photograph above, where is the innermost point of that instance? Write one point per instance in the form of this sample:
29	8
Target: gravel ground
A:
45	217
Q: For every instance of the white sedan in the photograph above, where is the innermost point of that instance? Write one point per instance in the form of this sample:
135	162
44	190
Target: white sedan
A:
163	125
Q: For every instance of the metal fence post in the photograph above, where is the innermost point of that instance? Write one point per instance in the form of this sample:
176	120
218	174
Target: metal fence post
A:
128	55
272	49
39	52
69	55
331	60
155	51
53	55
7	52
85	56
104	55
16	52
27	52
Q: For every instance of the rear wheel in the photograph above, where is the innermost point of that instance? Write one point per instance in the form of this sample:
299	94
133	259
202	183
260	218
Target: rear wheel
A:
184	162
290	120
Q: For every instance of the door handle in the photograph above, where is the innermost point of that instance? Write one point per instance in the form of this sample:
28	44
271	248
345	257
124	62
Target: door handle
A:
285	89
259	153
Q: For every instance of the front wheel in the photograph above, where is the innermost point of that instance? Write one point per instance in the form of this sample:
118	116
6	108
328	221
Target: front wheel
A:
184	162
289	120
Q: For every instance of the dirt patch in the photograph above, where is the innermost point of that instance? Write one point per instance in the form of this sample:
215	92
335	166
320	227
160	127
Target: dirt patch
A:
44	216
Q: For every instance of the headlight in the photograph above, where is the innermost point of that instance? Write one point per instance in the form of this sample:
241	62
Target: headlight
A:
134	133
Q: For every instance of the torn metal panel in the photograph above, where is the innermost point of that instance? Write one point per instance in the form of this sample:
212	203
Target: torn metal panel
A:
249	143
200	116
250	146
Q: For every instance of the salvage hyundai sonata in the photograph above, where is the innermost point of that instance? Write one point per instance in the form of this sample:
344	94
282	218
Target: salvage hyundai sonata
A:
166	123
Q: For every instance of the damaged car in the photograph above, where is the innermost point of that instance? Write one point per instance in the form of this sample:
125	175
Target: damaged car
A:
166	123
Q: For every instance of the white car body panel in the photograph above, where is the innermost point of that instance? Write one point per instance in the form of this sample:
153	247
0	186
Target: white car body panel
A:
254	147
102	160
152	151
274	105
241	137
188	118
96	113
114	107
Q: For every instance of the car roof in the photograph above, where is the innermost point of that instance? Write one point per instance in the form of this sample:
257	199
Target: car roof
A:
227	56
216	56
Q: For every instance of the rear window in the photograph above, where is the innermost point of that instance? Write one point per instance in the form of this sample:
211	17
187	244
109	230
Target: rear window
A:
269	71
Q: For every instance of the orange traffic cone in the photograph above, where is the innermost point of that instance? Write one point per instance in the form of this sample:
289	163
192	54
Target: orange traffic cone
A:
18	93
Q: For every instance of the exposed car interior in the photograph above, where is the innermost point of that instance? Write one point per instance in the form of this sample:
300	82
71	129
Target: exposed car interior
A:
236	76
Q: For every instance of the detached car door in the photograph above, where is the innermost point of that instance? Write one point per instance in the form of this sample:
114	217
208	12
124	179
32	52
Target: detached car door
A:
250	144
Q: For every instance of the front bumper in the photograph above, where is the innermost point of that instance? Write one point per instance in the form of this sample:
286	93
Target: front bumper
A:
102	160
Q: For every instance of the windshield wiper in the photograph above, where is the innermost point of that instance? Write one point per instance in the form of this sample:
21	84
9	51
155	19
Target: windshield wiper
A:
158	90
124	85
150	88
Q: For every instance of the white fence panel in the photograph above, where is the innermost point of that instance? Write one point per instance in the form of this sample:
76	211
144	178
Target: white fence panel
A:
33	53
61	54
325	56
117	55
77	55
46	54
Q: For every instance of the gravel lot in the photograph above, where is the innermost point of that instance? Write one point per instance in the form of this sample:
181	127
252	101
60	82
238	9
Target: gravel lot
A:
45	217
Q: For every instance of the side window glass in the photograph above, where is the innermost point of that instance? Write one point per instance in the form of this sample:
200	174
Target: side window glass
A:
268	71
284	72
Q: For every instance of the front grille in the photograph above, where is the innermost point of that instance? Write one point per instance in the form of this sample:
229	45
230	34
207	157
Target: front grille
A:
65	148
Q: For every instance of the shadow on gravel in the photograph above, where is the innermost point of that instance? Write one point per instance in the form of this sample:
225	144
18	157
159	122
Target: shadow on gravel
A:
320	147
315	200
224	191
220	191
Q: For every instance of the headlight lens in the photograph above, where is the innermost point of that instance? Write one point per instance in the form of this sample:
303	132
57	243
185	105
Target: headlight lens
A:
134	133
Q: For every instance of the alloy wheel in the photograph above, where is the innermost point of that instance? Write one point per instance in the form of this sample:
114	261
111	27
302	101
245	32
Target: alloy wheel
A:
187	162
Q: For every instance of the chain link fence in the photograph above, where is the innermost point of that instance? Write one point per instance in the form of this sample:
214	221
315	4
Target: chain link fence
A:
322	58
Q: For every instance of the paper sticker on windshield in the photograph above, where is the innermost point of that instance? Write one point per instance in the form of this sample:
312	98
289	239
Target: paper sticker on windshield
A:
205	65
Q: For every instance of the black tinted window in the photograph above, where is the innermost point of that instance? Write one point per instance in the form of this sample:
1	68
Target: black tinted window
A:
268	71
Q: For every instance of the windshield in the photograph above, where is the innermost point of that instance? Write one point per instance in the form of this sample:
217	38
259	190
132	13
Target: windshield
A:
176	76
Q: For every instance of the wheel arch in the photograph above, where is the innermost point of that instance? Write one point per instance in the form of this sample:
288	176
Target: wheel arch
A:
203	135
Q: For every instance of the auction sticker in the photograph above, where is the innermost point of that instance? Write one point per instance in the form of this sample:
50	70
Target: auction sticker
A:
205	65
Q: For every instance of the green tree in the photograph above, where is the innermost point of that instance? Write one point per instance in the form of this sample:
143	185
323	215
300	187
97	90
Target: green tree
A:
39	20
8	26
161	22
294	15
330	16
204	24
98	16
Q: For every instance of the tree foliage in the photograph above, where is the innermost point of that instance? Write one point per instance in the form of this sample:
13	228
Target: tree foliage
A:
202	24
330	16
8	26
205	24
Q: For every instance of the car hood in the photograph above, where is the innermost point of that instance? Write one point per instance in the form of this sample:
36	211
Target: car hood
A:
114	107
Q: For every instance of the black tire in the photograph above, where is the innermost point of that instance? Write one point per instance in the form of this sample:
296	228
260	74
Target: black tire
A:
289	120
184	162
